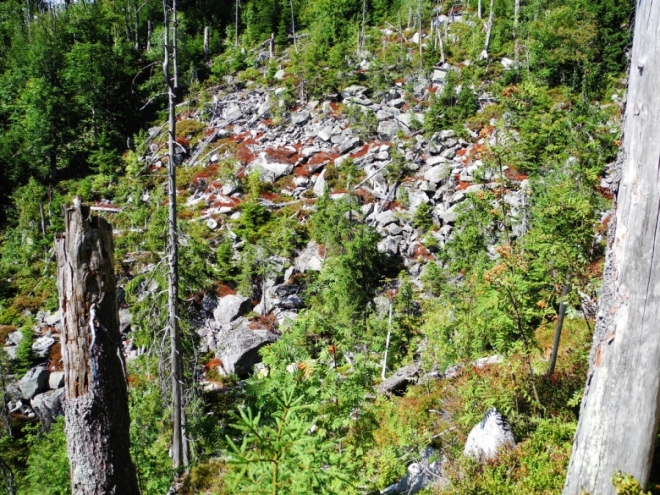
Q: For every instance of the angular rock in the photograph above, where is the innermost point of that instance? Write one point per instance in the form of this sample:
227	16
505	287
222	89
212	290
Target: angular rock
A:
447	215
420	475
325	134
269	170
35	381
48	406
353	90
320	185
309	259
349	144
14	338
125	319
488	437
233	112
290	302
301	117
437	174
399	381
54	319
387	129
439	76
56	380
238	347
231	307
42	345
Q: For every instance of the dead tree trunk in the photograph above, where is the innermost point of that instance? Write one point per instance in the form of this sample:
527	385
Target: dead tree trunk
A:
489	29
621	404
179	445
96	397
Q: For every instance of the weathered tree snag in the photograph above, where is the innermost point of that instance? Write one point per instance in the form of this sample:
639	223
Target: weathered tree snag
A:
96	396
620	408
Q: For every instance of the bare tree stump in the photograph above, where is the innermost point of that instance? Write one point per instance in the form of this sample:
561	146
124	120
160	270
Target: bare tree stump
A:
96	396
621	404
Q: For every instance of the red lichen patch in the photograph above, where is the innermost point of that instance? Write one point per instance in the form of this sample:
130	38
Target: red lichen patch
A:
605	192
226	201
433	89
207	173
183	141
270	196
405	107
339	191
301	171
512	174
212	364
322	158
223	290
186	215
282	155
421	251
462	185
55	362
334	106
209	131
4	331
361	152
322	250
401	80
267	122
461	152
244	154
267	322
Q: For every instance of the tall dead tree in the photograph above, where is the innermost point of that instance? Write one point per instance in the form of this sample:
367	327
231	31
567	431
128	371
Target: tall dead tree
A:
489	29
96	396
621	405
179	444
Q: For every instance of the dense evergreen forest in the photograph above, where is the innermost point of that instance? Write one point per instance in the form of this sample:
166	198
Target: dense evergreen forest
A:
384	208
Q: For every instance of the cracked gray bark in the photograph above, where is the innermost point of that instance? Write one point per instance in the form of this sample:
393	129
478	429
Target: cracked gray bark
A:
96	396
620	409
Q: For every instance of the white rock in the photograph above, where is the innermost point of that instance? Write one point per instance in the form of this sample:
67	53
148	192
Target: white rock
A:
230	307
320	185
488	437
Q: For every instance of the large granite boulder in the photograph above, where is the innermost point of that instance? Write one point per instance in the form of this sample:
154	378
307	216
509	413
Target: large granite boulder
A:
237	347
48	406
230	307
34	382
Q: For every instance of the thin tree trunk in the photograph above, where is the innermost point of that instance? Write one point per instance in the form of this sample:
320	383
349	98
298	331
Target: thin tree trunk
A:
516	25
293	27
148	35
236	25
179	447
175	66
271	45
96	397
442	46
206	44
387	343
479	9
621	405
560	323
484	53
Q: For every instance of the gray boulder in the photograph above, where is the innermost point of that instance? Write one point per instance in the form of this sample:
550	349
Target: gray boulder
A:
270	170
48	406
320	185
353	90
387	129
35	381
389	245
42	345
349	144
299	118
230	307
488	437
309	259
436	174
399	381
56	380
420	475
238	347
125	319
14	338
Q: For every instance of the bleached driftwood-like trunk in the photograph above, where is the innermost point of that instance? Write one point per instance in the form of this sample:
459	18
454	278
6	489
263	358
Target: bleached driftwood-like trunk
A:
621	405
96	396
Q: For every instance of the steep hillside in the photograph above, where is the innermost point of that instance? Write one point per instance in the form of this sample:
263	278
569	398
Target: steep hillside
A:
372	257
